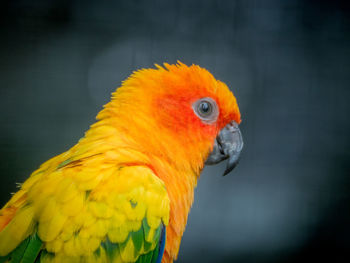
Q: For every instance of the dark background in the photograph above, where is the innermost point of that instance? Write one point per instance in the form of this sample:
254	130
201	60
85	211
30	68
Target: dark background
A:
288	65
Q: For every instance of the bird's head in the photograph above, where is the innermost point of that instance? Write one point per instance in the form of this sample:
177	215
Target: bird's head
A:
180	113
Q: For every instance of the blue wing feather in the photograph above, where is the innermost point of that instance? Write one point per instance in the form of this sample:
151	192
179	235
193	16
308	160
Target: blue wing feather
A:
161	245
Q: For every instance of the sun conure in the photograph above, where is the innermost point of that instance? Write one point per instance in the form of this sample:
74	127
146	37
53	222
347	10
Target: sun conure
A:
123	192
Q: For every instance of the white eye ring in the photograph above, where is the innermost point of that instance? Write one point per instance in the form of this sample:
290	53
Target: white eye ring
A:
206	109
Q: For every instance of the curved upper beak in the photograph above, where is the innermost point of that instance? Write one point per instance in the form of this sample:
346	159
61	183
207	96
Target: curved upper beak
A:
228	145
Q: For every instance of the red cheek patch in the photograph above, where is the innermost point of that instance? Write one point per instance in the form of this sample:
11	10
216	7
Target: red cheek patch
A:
176	113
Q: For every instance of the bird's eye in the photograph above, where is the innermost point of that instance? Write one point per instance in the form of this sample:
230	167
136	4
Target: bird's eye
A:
206	109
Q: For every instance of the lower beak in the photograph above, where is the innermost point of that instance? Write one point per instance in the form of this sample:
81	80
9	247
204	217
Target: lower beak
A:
228	145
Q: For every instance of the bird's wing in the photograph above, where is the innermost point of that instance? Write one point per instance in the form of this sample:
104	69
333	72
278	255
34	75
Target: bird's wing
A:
86	212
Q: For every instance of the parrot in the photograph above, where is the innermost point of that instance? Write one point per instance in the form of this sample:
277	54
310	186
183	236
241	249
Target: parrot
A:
124	191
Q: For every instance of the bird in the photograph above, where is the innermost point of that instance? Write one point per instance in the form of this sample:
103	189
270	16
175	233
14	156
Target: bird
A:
124	191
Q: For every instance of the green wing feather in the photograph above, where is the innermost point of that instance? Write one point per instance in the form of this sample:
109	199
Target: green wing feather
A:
30	249
33	249
151	250
26	252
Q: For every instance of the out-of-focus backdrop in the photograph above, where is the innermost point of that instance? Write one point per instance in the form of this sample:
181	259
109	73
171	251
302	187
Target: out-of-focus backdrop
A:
288	63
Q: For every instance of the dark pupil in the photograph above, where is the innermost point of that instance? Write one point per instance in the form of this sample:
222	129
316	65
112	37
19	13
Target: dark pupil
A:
204	107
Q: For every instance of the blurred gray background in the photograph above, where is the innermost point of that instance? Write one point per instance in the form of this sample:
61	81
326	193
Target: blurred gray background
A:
288	65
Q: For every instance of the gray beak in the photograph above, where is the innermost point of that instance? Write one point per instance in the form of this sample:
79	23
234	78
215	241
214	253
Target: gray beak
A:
228	145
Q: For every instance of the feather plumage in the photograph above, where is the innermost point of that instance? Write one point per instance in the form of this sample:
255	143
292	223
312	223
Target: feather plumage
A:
111	197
